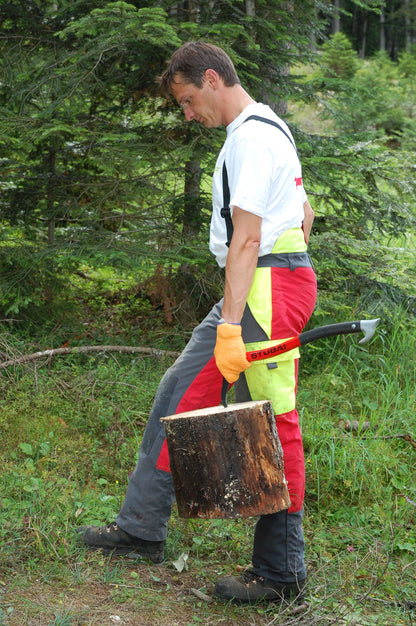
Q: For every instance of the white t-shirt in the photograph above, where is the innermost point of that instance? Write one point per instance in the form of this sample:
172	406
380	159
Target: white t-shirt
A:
264	178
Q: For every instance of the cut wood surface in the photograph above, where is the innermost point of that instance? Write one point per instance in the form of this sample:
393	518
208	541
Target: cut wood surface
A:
227	461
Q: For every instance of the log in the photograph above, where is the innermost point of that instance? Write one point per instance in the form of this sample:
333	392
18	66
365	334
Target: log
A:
227	462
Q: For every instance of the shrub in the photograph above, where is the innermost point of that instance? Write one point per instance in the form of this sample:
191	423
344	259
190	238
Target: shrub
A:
339	59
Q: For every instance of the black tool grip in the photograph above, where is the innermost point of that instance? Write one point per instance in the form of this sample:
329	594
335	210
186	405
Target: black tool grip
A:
343	328
224	389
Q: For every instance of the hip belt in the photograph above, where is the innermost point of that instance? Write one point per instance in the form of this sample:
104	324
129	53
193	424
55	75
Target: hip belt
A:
290	260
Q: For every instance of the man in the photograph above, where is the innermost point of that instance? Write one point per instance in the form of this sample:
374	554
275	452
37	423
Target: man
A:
260	223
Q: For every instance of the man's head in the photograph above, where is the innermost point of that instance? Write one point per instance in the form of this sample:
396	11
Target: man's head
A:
203	80
192	60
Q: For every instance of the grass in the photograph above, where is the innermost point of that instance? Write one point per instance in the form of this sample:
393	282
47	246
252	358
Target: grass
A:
70	431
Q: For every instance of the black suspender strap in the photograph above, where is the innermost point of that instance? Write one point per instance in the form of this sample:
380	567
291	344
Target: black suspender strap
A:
225	211
272	123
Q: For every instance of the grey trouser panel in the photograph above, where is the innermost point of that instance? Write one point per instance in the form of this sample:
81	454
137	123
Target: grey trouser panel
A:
150	494
279	547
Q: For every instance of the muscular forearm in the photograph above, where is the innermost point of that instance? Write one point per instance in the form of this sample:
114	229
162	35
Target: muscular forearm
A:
241	263
239	272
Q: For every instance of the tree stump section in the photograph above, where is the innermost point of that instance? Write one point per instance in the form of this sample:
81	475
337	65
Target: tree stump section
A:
227	461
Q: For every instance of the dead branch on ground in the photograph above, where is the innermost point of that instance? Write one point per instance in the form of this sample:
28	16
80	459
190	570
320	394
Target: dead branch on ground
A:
48	354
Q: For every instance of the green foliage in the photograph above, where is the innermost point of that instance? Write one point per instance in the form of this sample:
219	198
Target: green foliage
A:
359	180
87	174
35	278
375	389
407	63
94	161
338	59
363	211
378	98
132	54
70	437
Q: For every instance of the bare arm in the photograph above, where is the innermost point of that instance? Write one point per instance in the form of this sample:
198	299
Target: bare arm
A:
308	219
241	263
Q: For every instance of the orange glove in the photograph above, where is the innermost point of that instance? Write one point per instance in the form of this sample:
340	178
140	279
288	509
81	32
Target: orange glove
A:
230	351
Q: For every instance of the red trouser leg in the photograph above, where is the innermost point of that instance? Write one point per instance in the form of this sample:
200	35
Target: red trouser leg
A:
204	391
287	423
292	296
291	439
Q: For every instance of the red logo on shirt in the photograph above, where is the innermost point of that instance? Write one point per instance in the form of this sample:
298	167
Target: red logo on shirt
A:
298	182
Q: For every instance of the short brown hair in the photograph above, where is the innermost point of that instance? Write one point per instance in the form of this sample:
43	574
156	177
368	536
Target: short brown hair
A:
192	60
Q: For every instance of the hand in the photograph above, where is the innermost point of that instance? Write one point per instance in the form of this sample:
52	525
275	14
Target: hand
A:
230	351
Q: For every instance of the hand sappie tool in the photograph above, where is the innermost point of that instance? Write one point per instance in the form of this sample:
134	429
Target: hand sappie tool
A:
367	327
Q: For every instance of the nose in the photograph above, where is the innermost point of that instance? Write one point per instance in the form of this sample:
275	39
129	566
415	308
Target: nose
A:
189	114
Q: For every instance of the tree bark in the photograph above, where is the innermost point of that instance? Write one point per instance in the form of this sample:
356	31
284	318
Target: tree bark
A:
407	26
227	462
192	188
336	20
193	10
382	31
250	8
364	36
192	199
50	201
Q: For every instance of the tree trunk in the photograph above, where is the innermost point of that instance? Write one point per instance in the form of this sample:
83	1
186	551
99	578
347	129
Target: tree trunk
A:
364	36
227	462
278	106
51	167
192	174
250	8
391	43
193	11
407	26
336	20
192	199
382	31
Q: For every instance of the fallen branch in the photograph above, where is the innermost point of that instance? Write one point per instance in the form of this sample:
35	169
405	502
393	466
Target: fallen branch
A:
85	350
408	499
409	439
354	427
405	437
202	596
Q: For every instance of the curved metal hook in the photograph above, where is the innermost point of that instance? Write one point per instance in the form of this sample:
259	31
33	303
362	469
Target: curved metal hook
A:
368	327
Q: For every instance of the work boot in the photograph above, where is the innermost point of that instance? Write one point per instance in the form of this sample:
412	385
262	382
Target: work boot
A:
250	587
112	539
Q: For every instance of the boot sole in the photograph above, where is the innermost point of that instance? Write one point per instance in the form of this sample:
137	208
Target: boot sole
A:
300	600
270	595
127	552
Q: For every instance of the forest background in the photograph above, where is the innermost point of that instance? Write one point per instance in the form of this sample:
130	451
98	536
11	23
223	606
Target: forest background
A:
104	217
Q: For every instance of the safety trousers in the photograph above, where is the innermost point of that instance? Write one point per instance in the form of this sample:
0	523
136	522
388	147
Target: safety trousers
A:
280	303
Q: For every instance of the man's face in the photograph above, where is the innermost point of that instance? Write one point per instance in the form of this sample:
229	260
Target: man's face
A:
199	104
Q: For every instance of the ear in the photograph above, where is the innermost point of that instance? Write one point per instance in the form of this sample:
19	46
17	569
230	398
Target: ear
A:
212	78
